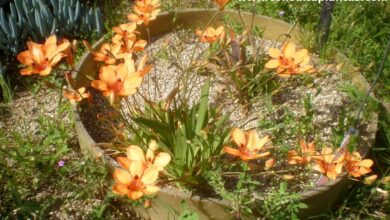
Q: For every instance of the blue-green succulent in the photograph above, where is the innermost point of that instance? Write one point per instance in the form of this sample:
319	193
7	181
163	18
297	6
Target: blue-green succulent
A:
37	19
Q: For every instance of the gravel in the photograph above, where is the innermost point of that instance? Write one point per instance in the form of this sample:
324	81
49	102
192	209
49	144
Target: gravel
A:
173	71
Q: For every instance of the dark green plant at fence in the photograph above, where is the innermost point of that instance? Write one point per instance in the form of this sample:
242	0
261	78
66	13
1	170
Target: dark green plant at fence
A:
37	19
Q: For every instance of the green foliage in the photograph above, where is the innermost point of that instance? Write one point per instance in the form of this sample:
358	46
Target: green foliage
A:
33	185
187	214
280	204
194	136
37	19
241	198
5	89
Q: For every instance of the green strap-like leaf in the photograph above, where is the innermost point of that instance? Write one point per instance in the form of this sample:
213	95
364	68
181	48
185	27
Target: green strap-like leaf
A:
203	106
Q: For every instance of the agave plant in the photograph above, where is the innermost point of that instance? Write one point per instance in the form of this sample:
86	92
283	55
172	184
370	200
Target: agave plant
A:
12	31
38	19
4	2
74	17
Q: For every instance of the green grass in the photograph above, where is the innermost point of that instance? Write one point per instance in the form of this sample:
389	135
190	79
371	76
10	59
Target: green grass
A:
5	89
34	185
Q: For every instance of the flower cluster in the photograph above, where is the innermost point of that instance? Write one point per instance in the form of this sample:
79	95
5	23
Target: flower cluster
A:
211	35
144	11
139	172
250	146
332	164
118	77
289	61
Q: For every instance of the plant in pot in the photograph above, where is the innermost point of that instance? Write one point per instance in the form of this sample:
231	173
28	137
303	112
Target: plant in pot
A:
221	112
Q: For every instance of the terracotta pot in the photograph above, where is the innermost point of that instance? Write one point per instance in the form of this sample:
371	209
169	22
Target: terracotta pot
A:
318	199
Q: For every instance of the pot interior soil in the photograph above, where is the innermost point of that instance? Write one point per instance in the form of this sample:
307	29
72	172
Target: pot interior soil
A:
310	107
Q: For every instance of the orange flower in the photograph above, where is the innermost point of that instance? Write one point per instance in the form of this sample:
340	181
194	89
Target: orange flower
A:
328	164
136	181
108	53
151	159
307	151
289	61
145	11
221	3
124	31
70	51
40	58
129	46
76	96
211	35
355	166
249	145
116	82
269	164
141	70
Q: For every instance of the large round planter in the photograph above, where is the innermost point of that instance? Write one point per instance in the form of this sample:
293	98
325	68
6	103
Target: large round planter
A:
167	203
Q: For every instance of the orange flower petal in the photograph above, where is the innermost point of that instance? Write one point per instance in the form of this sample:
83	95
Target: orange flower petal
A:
232	151
120	189
25	58
162	160
121	72
300	55
151	189
238	137
51	40
122	176
135	153
136	168
270	163
45	72
99	85
124	162
366	163
36	52
27	71
150	175
134	195
272	64
130	85
56	59
133	17
318	168
108	75
252	141
289	50
274	53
